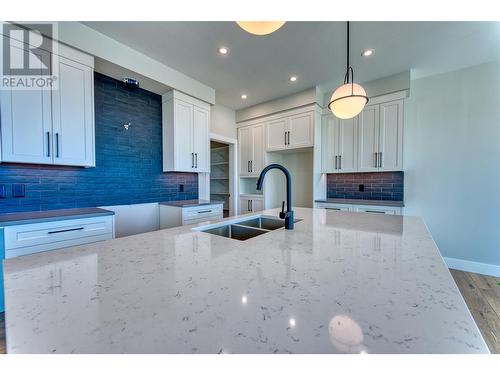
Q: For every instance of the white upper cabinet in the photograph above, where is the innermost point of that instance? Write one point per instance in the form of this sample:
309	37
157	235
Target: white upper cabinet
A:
300	130
73	115
52	126
201	139
339	147
368	127
186	133
294	131
391	136
251	146
369	142
277	134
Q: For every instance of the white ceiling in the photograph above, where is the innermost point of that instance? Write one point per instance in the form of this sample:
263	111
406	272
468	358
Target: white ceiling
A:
314	51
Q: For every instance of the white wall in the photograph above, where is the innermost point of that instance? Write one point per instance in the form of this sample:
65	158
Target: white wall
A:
222	121
300	99
452	161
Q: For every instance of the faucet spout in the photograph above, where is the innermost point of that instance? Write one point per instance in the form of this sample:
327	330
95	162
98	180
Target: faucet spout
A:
288	214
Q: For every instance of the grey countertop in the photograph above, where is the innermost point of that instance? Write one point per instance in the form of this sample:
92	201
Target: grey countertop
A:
190	203
42	216
367	202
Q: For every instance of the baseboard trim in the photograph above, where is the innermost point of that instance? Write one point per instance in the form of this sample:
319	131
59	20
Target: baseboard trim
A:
475	267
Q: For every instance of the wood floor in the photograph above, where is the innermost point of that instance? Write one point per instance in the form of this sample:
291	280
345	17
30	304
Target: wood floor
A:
482	296
481	293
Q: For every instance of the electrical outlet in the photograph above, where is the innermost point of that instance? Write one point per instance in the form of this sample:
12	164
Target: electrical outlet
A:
18	190
3	191
361	187
181	188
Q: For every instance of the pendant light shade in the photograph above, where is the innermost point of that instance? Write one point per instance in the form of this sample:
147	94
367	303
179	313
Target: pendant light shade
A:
260	27
348	100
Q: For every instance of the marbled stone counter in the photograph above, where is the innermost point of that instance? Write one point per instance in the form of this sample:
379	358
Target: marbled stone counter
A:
341	282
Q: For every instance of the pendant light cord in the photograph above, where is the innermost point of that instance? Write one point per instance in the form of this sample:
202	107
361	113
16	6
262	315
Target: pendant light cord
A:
348	67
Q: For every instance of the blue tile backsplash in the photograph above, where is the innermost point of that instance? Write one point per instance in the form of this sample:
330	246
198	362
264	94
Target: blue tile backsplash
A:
128	162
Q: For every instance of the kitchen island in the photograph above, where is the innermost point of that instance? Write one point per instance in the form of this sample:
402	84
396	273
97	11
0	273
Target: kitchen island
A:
340	282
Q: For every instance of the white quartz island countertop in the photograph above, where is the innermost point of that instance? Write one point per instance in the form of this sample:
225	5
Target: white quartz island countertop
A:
340	282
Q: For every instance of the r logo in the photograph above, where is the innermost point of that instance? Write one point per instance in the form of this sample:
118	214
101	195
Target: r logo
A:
27	50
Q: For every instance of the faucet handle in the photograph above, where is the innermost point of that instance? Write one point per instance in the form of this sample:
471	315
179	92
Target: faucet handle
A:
282	213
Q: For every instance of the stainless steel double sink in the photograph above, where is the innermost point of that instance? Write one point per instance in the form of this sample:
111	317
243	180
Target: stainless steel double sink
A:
245	228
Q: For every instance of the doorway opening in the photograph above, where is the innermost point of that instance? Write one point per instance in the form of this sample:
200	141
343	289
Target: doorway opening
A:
222	174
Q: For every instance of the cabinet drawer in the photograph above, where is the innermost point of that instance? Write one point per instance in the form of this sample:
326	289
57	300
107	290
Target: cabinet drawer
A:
333	206
379	210
202	219
201	212
56	232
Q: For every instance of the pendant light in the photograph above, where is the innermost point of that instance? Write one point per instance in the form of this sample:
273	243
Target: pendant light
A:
350	98
260	27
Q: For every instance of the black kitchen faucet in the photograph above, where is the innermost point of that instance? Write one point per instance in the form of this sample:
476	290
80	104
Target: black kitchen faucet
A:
288	214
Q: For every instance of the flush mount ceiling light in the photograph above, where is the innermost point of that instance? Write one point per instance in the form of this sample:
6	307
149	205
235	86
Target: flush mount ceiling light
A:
260	27
292	78
350	98
367	52
223	50
243	96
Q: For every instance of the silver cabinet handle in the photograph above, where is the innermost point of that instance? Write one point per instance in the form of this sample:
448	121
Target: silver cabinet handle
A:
332	208
285	138
376	159
251	205
196	159
57	145
192	160
340	161
48	144
248	166
288	137
375	212
336	158
204	212
380	159
251	165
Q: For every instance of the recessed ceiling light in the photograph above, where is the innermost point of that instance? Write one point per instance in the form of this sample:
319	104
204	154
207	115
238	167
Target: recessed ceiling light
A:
223	50
292	78
243	96
367	52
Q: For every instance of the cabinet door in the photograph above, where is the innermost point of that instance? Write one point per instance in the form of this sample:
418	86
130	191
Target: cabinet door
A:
26	120
201	139
391	136
244	143
368	129
257	150
183	122
244	206
347	145
301	132
329	145
276	134
73	115
257	205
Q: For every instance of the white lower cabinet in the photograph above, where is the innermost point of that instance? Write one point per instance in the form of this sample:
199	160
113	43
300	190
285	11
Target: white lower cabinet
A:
251	203
174	216
389	210
26	239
